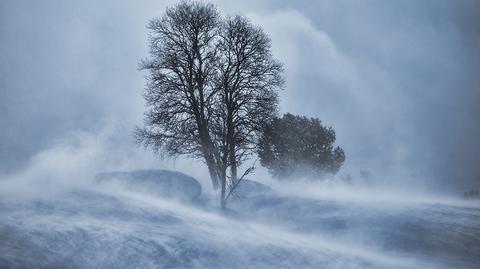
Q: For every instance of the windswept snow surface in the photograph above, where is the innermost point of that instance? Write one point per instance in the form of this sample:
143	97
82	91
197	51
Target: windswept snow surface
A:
114	226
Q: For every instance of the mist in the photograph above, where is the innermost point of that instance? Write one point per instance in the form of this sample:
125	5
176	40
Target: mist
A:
55	214
398	81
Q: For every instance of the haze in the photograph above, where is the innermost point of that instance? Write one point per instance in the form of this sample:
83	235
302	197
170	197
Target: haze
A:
398	80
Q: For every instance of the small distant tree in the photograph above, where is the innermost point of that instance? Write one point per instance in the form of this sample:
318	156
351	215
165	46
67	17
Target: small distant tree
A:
297	146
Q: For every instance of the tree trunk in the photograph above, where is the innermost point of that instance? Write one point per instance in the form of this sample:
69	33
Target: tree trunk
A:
208	153
233	162
223	202
231	144
212	170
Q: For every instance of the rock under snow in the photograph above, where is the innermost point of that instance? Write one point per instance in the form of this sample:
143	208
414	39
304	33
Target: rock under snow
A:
165	183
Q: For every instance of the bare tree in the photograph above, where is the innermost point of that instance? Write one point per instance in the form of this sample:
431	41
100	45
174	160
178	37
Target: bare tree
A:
179	93
212	84
249	79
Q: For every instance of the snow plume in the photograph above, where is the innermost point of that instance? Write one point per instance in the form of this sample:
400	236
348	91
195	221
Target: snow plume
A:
72	162
61	217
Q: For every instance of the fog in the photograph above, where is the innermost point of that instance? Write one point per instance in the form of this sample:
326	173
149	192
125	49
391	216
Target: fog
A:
56	215
398	81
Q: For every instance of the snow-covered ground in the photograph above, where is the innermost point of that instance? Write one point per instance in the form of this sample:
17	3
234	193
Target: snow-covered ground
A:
111	225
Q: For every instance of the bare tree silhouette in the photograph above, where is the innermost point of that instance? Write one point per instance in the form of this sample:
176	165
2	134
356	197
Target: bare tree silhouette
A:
212	84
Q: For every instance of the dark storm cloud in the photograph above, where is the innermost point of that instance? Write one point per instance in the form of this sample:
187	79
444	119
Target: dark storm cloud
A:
396	79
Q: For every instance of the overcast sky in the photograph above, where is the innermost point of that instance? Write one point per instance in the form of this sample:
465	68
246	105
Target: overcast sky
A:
398	80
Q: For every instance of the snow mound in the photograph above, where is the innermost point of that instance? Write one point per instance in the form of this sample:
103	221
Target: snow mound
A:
249	188
164	183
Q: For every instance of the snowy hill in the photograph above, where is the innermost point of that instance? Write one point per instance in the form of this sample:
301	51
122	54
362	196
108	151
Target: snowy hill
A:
116	225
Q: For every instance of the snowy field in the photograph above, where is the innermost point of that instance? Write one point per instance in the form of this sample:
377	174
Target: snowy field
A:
122	225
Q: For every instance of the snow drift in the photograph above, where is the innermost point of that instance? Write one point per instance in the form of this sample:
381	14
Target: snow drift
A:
117	223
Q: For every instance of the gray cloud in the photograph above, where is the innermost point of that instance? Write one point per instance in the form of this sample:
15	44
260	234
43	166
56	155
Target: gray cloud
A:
397	80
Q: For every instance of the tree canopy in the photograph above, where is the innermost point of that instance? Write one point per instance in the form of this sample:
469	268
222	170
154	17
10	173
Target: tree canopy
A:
212	83
297	146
